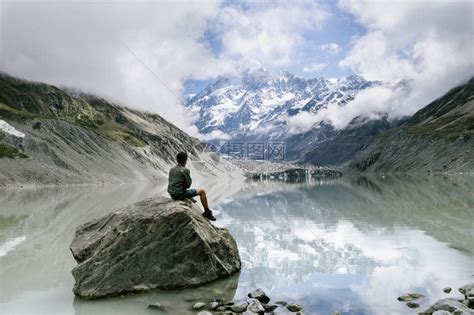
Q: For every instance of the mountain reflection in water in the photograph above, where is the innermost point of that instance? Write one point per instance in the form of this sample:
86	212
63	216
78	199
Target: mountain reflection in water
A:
351	245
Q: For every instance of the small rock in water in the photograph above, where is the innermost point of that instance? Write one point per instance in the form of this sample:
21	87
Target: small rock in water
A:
259	295
239	307
447	290
413	305
221	308
199	305
213	305
204	313
156	306
269	307
441	313
294	307
256	307
410	297
283	303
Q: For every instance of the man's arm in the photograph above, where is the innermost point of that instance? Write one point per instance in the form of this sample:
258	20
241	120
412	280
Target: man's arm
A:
187	178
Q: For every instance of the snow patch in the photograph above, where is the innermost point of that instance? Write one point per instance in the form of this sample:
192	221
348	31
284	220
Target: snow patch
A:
5	127
11	244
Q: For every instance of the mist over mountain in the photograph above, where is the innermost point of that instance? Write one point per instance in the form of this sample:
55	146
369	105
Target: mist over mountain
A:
437	138
50	136
258	106
257	103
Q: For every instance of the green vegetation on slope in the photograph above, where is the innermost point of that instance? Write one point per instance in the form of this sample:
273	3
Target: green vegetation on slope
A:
9	113
118	133
448	128
439	137
444	117
30	100
7	151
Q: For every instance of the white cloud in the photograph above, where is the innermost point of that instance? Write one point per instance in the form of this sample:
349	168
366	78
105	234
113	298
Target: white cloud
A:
271	32
330	48
301	122
424	46
215	135
315	67
79	44
427	44
371	103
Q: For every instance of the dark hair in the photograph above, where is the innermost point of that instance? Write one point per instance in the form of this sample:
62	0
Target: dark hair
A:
181	158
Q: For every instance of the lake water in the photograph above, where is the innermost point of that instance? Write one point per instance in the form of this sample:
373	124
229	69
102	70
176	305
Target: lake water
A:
351	245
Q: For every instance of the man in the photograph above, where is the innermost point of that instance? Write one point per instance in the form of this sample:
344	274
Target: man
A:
179	183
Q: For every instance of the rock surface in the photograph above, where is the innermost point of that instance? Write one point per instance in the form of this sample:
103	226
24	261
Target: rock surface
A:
269	307
256	307
156	306
410	297
239	307
413	304
294	307
155	243
468	291
260	295
450	305
199	305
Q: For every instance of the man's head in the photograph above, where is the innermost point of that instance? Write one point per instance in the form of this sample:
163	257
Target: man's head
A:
181	158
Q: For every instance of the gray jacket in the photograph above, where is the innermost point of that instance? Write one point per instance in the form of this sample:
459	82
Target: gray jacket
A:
179	180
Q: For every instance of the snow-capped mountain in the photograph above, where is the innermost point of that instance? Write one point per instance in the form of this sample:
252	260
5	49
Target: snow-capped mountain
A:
256	102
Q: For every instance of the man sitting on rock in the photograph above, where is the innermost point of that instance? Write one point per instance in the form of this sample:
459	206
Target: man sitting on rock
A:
179	183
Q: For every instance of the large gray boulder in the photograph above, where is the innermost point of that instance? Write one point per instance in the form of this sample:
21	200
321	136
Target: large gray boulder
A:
155	243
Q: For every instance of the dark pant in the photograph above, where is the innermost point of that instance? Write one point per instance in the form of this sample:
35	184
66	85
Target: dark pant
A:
188	193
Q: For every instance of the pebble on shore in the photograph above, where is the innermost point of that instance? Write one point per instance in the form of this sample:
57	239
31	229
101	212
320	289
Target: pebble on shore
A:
413	304
447	290
239	307
156	306
252	305
198	306
259	295
410	297
294	307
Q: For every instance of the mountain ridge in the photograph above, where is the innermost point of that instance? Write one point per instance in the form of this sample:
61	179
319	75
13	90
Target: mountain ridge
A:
255	102
75	138
437	138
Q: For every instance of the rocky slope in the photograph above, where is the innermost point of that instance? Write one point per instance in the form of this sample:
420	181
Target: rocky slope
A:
337	146
439	137
54	136
155	243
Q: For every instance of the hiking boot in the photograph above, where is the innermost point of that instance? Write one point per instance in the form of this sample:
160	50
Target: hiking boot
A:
208	215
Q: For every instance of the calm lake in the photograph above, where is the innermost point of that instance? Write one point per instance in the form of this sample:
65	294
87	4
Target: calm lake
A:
351	245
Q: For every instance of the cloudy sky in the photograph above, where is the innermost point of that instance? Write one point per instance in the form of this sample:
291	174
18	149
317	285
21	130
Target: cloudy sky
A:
109	47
